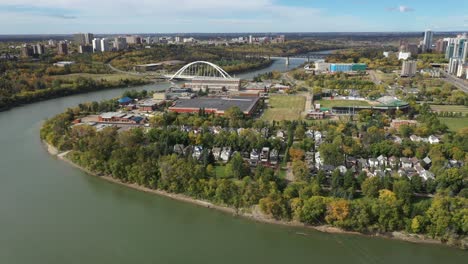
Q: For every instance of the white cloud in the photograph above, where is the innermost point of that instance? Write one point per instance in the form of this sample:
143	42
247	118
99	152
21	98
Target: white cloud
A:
401	9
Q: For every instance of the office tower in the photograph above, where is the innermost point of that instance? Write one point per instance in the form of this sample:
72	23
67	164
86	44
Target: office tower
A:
408	69
96	45
464	56
26	51
105	45
453	65
85	49
120	43
133	40
62	48
40	49
441	45
88	38
427	43
83	38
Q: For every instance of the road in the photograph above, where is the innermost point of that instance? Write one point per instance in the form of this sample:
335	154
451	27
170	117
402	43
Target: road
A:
459	83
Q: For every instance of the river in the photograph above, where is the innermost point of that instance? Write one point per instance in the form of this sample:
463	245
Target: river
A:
53	213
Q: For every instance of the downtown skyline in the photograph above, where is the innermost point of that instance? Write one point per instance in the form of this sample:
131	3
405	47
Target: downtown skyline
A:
203	16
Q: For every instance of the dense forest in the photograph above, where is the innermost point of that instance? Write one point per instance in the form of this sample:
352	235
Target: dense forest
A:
351	201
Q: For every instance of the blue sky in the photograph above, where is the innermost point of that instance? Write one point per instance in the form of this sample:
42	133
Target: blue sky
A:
163	16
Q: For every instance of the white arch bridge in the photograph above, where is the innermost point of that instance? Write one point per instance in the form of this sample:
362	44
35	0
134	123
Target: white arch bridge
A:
199	69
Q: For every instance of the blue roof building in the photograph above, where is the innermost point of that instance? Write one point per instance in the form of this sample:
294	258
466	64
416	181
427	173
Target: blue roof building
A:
125	100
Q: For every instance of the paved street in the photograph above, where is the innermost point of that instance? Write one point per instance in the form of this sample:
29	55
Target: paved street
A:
459	83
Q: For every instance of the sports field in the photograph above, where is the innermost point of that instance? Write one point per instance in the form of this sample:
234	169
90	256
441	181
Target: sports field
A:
284	107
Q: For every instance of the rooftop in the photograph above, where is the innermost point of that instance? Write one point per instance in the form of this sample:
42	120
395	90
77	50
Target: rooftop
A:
245	104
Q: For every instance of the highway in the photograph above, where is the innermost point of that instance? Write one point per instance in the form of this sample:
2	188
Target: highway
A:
459	83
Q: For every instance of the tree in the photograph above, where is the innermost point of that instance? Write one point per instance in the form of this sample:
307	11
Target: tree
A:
313	211
402	189
300	170
296	154
371	186
236	168
337	212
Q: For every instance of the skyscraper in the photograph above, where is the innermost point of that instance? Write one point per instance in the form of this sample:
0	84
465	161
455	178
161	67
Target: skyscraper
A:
120	43
427	43
96	45
83	38
408	69
62	48
105	45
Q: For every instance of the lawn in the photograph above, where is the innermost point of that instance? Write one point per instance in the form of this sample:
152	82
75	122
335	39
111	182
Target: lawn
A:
455	124
108	77
331	103
450	108
284	107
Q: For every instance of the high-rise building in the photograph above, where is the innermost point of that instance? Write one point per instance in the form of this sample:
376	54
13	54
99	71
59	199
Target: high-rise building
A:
105	45
83	38
441	45
40	49
408	69
85	49
96	45
133	40
51	43
26	51
453	65
457	47
427	43
120	43
62	48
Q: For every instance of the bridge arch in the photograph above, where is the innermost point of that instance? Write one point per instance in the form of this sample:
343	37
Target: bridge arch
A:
208	70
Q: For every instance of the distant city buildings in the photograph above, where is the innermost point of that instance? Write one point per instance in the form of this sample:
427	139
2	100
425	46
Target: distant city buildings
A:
105	45
85	49
83	38
120	43
133	40
96	45
63	48
408	69
427	42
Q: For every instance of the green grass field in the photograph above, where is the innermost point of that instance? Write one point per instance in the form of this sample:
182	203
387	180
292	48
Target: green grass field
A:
450	108
332	103
108	77
284	107
455	124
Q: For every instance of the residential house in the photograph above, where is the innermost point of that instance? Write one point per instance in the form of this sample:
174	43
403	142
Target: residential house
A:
351	161
433	139
382	160
197	151
216	153
264	155
254	157
373	163
280	134
427	162
274	157
406	163
318	160
393	162
415	138
362	163
225	154
426	175
342	169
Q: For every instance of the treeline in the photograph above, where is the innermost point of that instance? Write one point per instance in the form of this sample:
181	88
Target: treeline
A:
145	157
57	88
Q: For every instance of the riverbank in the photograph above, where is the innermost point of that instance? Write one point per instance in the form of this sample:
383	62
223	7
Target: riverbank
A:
253	214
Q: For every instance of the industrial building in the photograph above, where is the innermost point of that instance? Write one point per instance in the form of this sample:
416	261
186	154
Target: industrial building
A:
214	84
216	105
347	67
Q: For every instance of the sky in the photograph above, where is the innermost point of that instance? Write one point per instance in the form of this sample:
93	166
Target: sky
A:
213	16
